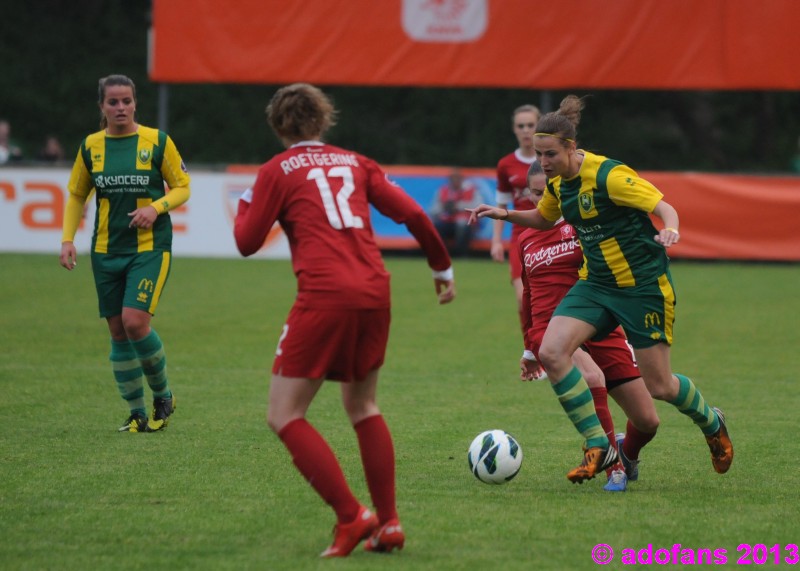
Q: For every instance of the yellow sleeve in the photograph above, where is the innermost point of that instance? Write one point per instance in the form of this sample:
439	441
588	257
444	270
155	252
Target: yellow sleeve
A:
177	178
550	206
79	187
626	188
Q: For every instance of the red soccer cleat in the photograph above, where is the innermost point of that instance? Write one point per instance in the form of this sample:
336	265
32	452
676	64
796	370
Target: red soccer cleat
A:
388	537
347	535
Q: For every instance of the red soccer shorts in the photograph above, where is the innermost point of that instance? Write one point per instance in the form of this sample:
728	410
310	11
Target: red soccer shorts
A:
338	345
613	355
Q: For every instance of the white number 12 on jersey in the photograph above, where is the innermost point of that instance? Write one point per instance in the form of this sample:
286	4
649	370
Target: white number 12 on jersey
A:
346	220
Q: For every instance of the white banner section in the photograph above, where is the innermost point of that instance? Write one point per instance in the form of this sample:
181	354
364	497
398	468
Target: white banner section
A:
32	212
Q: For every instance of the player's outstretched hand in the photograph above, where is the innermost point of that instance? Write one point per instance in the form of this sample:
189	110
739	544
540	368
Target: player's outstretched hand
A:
486	211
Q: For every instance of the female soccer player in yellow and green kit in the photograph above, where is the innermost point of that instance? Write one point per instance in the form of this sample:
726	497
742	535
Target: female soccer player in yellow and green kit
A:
127	165
625	280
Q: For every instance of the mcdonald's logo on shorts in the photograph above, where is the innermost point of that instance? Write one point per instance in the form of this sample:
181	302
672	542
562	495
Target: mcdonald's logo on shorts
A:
651	319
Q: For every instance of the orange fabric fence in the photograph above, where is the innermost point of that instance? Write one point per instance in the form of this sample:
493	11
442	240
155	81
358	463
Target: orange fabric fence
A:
733	217
722	216
627	44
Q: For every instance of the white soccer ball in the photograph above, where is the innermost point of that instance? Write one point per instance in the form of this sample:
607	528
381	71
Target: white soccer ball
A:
494	457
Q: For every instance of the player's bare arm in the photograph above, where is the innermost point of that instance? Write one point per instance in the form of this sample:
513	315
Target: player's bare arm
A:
669	235
526	218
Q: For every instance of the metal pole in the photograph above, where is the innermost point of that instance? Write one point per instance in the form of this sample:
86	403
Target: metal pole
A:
163	107
547	101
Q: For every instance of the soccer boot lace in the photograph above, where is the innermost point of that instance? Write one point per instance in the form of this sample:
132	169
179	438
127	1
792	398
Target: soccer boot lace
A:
162	409
631	466
135	423
347	535
387	537
720	445
617	482
595	460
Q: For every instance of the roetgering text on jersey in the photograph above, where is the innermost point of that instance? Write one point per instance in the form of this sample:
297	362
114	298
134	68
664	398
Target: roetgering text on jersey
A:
317	160
547	255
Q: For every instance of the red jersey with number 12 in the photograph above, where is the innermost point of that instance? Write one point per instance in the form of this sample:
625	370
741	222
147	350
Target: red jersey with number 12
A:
320	195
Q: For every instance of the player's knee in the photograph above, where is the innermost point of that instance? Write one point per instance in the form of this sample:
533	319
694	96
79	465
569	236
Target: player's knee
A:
552	358
136	327
661	389
594	379
647	423
359	410
276	420
273	424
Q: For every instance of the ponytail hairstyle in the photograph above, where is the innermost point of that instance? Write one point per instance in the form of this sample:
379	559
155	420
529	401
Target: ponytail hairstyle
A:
563	124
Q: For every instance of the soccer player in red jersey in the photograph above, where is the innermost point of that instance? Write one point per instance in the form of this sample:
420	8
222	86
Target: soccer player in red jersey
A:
551	260
339	325
512	192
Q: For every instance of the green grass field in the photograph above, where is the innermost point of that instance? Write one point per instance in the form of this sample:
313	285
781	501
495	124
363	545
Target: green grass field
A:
217	490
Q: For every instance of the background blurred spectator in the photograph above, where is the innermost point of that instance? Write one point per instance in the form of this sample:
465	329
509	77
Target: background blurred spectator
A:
449	213
8	150
51	150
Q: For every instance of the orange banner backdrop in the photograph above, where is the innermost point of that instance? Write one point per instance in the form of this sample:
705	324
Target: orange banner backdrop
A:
626	44
722	217
733	217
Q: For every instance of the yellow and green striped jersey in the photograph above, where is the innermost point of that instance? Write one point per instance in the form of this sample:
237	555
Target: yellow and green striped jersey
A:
128	172
608	204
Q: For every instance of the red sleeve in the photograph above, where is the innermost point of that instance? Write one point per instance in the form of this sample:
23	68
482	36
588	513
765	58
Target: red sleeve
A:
391	201
527	325
255	219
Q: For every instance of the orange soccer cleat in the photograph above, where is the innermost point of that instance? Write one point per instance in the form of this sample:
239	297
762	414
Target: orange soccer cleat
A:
595	460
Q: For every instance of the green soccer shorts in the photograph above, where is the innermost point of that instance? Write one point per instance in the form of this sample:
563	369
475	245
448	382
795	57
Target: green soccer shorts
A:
646	312
130	280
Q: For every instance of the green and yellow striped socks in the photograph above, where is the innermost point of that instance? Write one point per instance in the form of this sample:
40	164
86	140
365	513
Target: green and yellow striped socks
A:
154	363
691	403
576	399
129	375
